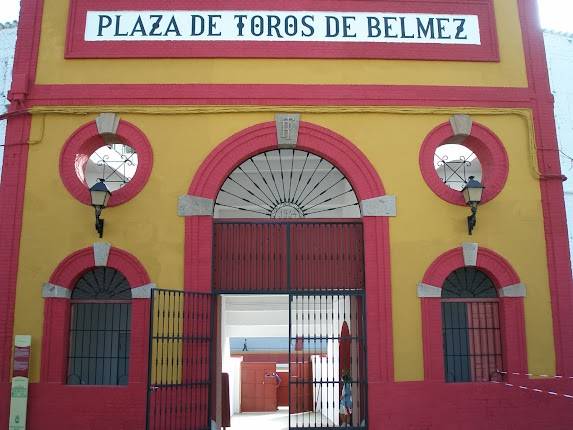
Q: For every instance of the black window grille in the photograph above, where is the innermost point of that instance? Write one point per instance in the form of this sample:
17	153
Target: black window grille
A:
286	183
100	329
471	327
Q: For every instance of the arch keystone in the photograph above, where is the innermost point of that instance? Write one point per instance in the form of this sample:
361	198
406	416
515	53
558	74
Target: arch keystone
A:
287	125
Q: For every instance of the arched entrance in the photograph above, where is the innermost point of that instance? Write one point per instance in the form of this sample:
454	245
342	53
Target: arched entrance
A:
287	224
289	229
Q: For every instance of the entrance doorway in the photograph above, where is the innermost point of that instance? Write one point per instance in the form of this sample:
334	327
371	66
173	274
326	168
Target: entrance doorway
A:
292	314
302	251
292	361
254	333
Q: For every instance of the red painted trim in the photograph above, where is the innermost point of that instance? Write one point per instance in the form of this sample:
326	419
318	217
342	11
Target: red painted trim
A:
57	406
483	143
512	311
11	208
262	137
554	216
77	47
277	95
366	183
55	336
84	142
493	264
12	186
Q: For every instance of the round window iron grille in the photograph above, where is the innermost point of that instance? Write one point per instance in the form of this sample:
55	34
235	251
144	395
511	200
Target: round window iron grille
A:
286	183
115	163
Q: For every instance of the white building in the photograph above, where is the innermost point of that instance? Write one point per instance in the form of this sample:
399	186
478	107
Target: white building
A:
7	47
559	49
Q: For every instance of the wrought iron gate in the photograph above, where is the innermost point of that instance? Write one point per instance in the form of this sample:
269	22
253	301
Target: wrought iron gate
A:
320	266
327	365
179	361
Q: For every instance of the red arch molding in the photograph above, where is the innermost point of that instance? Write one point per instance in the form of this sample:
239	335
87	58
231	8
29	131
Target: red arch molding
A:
484	143
84	141
366	183
55	340
512	311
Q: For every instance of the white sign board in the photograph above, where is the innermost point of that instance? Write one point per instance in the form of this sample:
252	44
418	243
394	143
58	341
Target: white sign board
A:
282	26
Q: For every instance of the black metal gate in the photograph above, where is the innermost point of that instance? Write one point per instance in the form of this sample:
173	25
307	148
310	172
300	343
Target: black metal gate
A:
320	266
179	361
327	369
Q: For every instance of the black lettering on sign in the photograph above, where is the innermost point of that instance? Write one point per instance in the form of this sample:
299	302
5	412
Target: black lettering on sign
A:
429	28
257	25
197	25
442	28
374	27
403	28
213	25
240	23
117	24
346	26
172	27
460	29
332	26
308	25
291	25
388	27
273	23
101	24
155	25
138	27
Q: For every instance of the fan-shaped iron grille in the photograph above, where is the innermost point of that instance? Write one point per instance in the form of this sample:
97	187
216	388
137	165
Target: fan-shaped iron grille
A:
100	329
468	282
102	283
286	183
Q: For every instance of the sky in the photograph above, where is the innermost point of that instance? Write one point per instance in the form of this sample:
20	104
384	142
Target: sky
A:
554	14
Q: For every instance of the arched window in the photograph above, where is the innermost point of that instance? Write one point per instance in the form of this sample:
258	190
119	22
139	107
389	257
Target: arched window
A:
100	329
470	327
286	183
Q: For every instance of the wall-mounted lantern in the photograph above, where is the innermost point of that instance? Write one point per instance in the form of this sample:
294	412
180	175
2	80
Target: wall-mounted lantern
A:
472	193
100	196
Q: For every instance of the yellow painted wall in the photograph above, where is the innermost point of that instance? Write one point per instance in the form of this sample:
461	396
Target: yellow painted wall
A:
56	225
54	69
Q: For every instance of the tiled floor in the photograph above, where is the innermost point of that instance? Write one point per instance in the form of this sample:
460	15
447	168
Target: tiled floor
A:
272	421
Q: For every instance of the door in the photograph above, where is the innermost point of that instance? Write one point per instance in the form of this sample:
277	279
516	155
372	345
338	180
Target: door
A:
259	386
179	380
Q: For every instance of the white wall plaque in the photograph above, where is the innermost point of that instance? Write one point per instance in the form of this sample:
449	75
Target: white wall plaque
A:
281	26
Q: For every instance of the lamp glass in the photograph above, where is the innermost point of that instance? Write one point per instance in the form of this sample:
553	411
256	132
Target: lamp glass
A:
100	194
473	195
473	190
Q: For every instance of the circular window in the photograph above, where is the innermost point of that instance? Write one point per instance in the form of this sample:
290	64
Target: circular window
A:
123	160
115	163
447	161
454	164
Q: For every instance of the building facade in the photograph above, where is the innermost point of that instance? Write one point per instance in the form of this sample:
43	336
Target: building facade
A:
316	152
559	47
7	48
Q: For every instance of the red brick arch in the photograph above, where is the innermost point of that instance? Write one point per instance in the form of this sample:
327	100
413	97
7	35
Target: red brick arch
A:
366	184
87	139
488	261
512	310
57	317
484	143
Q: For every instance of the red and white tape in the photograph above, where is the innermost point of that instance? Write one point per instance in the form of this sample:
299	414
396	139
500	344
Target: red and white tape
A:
531	375
537	390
